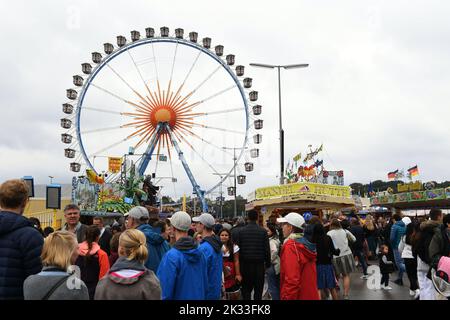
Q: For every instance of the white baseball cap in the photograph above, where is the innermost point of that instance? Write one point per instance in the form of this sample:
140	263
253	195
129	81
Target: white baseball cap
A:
137	213
181	221
293	218
206	219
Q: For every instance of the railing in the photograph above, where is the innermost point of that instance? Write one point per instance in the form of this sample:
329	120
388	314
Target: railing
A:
46	219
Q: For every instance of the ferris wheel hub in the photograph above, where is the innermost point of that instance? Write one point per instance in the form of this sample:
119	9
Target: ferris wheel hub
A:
163	114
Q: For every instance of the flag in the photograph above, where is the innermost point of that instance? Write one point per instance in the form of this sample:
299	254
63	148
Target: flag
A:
392	175
297	157
414	171
114	164
320	148
318	163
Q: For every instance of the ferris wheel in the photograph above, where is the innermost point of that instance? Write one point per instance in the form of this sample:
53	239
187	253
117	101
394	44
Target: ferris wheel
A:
180	105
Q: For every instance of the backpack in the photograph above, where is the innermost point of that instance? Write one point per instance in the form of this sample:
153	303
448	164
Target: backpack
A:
422	245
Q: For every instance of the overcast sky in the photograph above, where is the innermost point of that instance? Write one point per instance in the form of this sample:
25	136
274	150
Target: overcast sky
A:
376	93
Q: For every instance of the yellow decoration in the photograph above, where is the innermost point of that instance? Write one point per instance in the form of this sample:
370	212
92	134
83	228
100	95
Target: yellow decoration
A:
303	188
114	164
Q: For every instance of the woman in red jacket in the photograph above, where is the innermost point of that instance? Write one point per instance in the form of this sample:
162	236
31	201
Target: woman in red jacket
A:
298	275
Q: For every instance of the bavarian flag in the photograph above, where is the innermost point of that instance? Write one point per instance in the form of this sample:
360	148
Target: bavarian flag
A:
414	171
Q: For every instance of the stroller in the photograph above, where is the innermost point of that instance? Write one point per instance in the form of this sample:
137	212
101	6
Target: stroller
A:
441	277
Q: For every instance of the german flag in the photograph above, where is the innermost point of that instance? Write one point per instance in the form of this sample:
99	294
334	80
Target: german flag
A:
392	175
414	171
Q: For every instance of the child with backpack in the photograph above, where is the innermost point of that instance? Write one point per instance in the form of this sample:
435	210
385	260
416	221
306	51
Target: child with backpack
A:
386	266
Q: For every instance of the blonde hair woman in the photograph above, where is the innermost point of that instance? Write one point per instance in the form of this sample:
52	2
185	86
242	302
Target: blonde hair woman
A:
55	282
371	233
128	279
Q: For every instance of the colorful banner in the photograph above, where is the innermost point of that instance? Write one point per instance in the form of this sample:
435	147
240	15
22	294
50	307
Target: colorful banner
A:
114	164
428	195
309	188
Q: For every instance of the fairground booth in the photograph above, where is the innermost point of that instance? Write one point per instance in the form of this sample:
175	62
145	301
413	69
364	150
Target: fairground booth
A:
413	198
319	199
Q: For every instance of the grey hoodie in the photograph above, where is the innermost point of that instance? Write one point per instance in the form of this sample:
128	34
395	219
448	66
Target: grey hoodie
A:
37	286
128	280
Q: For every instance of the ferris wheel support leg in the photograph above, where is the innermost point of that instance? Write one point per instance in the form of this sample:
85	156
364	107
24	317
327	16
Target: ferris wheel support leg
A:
149	151
200	193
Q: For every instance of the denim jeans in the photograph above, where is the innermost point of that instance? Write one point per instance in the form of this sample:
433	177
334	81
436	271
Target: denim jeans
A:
273	282
399	263
362	260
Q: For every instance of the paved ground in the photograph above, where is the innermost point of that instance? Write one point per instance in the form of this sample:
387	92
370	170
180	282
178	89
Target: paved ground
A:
359	289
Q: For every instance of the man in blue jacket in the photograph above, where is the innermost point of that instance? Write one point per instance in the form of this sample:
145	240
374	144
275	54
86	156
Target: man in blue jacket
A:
137	218
20	243
397	231
182	272
211	246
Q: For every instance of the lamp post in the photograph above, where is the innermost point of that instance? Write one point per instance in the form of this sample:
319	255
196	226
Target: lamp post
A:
221	192
289	66
234	176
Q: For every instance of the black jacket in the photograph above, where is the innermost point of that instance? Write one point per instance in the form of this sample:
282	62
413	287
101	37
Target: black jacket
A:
104	241
253	243
20	253
385	266
439	246
325	250
358	232
235	232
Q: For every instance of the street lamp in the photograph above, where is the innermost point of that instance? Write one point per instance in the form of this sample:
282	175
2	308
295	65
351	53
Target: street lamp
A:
289	66
241	180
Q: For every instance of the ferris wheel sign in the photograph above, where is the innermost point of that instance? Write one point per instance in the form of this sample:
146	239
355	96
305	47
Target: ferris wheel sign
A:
114	164
166	93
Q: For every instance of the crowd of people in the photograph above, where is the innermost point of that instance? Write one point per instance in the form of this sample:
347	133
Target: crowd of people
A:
300	257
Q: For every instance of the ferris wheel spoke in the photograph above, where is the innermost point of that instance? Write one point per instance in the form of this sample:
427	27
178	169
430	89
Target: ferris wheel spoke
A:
199	155
119	97
110	112
154	62
207	78
173	62
115	144
215	95
216	128
102	129
126	82
177	94
171	171
198	87
109	92
203	114
157	156
188	132
139	72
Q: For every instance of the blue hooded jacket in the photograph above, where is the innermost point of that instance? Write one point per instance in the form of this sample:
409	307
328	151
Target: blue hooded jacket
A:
157	246
20	253
183	272
397	232
212	249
